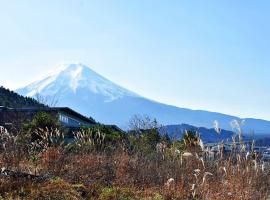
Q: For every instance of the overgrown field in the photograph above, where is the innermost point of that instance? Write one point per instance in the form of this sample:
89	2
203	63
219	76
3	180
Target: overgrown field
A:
103	164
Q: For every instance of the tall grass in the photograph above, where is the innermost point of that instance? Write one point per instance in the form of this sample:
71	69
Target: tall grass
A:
135	166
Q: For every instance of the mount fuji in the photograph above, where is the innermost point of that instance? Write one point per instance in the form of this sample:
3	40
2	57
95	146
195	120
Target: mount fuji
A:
80	88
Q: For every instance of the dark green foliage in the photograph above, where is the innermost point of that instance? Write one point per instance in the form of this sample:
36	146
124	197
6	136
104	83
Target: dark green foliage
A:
43	120
190	139
11	99
145	142
92	119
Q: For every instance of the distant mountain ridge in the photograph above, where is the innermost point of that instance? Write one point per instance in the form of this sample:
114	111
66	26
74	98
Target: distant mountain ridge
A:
207	135
82	89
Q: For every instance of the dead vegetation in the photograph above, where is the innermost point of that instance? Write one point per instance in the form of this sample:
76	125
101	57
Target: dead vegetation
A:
138	165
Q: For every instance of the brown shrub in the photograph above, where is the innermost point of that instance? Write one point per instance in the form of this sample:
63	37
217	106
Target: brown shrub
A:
55	190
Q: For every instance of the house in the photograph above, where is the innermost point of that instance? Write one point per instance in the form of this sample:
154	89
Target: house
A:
67	117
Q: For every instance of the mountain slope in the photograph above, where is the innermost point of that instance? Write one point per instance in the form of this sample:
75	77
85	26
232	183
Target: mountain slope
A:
79	87
11	99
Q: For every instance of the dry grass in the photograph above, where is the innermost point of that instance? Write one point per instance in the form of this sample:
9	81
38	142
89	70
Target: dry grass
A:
86	170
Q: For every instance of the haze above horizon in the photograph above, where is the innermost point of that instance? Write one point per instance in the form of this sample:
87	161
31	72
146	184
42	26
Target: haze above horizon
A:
208	55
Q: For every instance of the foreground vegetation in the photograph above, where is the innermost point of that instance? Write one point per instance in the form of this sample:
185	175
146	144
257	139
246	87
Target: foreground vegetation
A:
105	164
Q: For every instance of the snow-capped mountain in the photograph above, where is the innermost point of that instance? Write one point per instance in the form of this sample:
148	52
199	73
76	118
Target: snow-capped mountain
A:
82	89
70	79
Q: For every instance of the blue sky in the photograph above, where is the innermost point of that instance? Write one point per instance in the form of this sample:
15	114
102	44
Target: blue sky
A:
211	55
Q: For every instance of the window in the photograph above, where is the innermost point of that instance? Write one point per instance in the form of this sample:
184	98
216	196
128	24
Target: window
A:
63	118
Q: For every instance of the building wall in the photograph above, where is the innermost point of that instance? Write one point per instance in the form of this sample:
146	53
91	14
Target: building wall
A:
16	117
71	121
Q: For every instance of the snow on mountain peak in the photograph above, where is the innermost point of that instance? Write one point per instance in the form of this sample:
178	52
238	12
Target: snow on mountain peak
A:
69	78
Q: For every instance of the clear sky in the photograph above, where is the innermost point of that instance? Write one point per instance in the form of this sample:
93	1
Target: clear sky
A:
211	55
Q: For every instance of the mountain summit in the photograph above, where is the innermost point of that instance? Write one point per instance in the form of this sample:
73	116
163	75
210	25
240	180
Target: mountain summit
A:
72	79
82	89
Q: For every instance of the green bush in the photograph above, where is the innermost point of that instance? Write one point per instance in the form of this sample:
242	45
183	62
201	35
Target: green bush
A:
145	142
114	193
43	120
190	139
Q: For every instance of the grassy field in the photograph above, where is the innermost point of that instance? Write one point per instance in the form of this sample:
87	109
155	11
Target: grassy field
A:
106	165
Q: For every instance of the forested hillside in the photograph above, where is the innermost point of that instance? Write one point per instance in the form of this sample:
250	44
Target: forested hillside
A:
11	99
